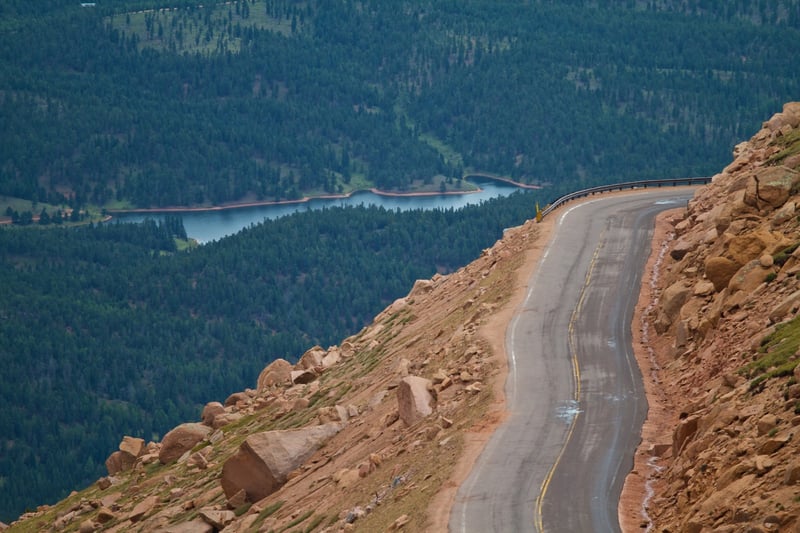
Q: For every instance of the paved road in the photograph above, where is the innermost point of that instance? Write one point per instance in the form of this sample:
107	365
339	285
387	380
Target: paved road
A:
575	396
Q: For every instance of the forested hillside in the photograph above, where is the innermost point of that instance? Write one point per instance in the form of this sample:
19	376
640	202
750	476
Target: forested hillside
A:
108	331
111	330
154	103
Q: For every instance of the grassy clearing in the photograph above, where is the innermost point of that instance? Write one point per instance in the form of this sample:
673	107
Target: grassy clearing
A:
114	205
777	355
358	182
204	30
449	153
186	244
19	205
789	144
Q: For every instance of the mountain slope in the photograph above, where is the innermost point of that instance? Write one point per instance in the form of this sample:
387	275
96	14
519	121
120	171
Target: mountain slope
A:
110	331
380	466
725	336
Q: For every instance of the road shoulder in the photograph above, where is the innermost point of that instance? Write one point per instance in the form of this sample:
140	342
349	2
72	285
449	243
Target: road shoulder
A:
494	331
634	498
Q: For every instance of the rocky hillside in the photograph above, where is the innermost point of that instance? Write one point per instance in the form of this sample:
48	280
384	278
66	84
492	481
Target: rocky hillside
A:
373	434
365	435
722	446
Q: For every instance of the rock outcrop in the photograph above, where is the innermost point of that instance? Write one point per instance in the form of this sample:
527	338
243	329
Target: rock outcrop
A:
726	362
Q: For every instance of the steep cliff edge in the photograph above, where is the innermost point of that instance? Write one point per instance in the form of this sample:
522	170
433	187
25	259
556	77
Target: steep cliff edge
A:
719	341
370	435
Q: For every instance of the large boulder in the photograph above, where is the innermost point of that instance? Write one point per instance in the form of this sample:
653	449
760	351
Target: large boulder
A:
421	286
790	116
217	518
703	288
788	305
673	298
311	359
332	358
180	440
749	277
683	433
143	508
771	186
238	399
210	411
415	399
119	461
275	373
264	460
123	459
682	247
337	413
784	214
720	270
223	419
745	247
302	377
132	445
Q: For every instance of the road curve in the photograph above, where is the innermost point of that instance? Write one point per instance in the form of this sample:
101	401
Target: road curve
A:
575	398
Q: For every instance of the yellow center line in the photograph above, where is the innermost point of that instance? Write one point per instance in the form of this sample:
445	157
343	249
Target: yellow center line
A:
576	374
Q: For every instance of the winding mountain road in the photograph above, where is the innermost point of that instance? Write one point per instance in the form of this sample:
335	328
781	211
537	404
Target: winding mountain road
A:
575	397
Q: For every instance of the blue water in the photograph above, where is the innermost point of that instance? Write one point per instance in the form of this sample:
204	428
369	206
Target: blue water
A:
205	226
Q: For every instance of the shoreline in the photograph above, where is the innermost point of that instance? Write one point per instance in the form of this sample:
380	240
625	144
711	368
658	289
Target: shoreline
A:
306	199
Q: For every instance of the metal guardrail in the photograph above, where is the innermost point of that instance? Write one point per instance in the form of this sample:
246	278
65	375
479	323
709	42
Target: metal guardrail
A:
643	184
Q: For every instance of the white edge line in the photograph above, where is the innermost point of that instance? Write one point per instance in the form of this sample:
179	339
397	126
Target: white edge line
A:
474	474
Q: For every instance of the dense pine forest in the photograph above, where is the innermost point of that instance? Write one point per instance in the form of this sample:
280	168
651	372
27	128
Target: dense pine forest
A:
107	330
156	103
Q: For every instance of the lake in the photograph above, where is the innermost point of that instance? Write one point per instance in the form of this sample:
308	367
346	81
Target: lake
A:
205	226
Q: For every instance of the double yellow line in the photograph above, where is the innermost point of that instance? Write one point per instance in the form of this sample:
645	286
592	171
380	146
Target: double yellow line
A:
576	375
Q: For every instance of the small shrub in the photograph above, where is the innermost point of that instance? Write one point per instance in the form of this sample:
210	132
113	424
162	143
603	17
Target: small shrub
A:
770	277
239	511
781	257
297	520
757	385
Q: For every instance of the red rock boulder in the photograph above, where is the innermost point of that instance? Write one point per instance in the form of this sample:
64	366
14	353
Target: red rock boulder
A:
264	460
180	440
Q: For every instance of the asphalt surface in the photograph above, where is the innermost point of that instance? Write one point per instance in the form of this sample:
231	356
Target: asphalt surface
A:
575	396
